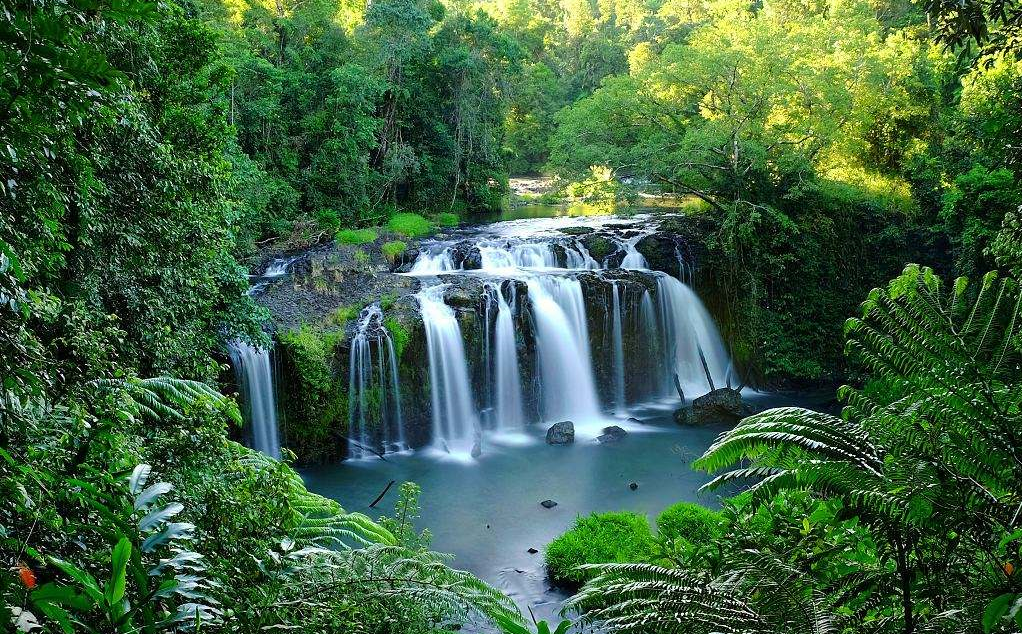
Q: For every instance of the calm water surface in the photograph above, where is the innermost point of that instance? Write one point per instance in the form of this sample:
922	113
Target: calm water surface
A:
487	512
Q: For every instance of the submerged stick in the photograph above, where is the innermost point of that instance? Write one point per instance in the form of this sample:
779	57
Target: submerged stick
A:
382	493
677	386
376	452
706	368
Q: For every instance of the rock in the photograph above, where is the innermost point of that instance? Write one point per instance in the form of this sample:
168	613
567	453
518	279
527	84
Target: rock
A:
403	261
562	433
611	434
683	416
577	231
723	405
548	504
633	486
598	246
477	450
461	293
661	252
532	551
466	255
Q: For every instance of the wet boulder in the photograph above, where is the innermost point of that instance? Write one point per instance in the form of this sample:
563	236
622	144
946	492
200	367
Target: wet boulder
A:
599	247
466	255
577	231
611	434
404	260
562	433
548	504
683	416
723	405
661	252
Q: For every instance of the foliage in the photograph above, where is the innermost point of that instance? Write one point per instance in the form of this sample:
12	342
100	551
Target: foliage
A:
597	538
399	335
355	236
391	250
448	219
687	520
410	225
908	501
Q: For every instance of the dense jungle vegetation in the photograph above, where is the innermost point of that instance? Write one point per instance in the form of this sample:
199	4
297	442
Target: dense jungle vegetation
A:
149	149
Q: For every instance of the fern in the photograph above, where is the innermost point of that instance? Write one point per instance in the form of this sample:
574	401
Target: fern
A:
331	554
165	397
929	460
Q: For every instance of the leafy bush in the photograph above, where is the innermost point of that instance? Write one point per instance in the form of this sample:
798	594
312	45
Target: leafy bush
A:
410	225
355	236
598	538
689	521
393	249
448	219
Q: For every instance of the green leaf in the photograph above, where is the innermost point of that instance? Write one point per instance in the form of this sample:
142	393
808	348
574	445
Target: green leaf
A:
996	610
87	581
118	571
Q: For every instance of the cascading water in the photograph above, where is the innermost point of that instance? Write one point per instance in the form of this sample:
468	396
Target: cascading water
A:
654	326
375	424
505	383
455	421
686	328
562	342
619	351
254	375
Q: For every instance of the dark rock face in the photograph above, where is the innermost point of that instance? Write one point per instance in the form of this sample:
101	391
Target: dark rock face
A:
683	416
548	504
598	246
661	252
723	405
403	261
611	434
577	231
466	255
562	433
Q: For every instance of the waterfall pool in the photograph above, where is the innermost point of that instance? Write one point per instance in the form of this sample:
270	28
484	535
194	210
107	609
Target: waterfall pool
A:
487	512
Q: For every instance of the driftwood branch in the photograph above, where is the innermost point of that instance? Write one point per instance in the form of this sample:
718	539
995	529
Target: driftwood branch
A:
677	386
382	493
375	452
706	368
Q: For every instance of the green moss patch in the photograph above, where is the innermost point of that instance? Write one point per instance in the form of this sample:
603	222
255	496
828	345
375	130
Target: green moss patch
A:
599	538
410	225
355	236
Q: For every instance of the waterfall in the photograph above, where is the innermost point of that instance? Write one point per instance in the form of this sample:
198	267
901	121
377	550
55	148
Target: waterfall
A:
566	374
454	415
375	422
651	326
255	380
633	259
685	328
505	386
618	349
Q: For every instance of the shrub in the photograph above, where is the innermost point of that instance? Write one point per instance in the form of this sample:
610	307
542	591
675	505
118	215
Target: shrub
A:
448	219
410	225
688	521
393	249
598	539
355	236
